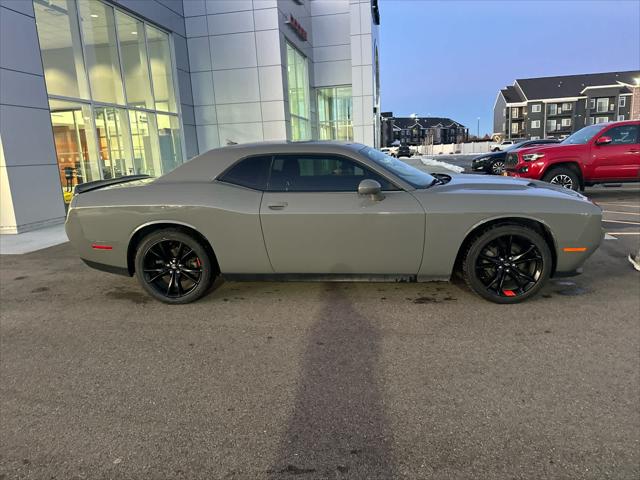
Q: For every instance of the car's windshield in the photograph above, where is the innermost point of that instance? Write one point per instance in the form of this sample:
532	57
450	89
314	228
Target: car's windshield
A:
514	146
583	135
411	175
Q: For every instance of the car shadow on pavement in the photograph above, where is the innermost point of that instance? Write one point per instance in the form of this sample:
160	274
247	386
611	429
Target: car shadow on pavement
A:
338	428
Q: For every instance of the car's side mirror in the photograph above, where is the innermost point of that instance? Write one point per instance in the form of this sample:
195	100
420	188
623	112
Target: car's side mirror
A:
603	140
372	188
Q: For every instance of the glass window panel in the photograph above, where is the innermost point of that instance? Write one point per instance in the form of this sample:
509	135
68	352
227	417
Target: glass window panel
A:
99	34
75	144
298	90
144	140
334	113
161	69
169	138
59	36
114	141
134	61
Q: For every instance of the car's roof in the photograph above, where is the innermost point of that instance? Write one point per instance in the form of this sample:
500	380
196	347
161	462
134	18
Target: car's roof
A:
210	164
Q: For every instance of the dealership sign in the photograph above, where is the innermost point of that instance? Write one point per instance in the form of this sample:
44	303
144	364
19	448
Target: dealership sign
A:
296	27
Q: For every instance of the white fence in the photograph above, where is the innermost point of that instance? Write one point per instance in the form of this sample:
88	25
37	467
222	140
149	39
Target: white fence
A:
457	148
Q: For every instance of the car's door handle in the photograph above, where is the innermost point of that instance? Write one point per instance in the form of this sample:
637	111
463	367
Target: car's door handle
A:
635	150
277	205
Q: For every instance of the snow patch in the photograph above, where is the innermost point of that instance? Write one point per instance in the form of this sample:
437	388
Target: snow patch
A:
432	162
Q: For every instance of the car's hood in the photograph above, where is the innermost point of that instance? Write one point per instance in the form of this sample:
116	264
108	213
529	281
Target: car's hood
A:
496	184
490	155
553	147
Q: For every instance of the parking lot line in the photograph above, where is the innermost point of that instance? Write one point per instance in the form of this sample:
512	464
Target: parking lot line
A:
621	221
623	233
621	213
620	204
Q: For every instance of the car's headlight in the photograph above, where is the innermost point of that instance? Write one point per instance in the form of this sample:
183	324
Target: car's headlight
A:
532	157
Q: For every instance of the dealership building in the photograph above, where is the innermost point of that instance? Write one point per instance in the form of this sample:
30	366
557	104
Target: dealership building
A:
96	89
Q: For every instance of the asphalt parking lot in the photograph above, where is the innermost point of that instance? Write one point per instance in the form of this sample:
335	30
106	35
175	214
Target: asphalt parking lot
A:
316	380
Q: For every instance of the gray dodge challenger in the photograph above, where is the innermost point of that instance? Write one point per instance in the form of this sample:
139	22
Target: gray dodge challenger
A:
329	211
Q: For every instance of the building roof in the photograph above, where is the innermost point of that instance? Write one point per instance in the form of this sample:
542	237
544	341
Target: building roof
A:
512	95
424	122
571	85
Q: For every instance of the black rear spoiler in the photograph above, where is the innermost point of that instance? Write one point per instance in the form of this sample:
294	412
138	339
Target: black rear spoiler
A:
87	187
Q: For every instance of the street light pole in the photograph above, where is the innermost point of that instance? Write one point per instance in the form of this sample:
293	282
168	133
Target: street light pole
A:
478	128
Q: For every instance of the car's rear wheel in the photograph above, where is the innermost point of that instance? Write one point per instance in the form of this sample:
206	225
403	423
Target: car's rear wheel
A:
563	177
507	264
174	267
497	167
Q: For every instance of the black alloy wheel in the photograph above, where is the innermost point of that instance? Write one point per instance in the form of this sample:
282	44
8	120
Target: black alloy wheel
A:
497	167
173	267
507	264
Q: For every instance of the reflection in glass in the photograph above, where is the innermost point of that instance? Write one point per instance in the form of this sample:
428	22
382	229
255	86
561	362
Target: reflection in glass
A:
169	138
298	85
134	61
161	71
144	139
61	49
101	52
75	144
114	141
334	113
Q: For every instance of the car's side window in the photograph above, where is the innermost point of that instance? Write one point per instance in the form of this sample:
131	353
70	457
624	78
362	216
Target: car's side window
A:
623	135
251	172
320	173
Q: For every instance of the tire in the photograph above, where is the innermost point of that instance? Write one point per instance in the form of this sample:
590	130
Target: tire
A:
497	167
174	267
564	177
487	270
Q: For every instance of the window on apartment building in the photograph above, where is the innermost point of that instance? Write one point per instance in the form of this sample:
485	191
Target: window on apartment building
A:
552	109
536	108
602	105
602	119
298	82
622	101
566	106
109	78
535	137
566	122
535	123
335	120
592	103
620	118
551	125
514	112
514	127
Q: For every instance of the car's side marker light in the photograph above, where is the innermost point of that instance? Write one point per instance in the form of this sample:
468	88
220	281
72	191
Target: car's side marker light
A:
575	249
97	246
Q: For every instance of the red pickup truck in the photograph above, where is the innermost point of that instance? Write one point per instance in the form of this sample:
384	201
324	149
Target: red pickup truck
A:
601	153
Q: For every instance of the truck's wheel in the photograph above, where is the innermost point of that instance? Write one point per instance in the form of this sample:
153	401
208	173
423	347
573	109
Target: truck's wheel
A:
563	177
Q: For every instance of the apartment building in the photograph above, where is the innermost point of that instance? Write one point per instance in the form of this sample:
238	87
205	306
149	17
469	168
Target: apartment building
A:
94	89
555	107
420	130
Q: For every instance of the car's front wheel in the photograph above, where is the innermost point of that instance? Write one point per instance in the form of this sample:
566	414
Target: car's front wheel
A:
507	263
174	267
563	177
497	167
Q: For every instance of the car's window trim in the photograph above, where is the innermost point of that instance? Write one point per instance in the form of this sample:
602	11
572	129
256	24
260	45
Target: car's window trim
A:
338	155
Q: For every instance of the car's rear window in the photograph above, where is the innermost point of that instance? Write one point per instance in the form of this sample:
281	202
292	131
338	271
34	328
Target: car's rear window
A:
251	172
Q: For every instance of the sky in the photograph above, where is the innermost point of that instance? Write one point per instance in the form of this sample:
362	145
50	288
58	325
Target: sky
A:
450	58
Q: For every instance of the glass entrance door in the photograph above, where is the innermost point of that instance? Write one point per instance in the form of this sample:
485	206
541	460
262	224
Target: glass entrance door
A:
114	141
75	145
